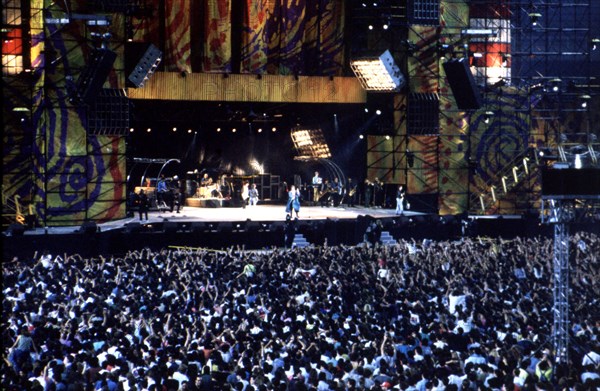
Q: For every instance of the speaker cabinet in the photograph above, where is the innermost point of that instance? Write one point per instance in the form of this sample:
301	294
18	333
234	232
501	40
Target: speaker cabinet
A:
462	83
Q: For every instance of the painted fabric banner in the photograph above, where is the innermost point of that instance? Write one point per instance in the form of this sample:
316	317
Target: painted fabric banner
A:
146	29
217	31
293	37
177	34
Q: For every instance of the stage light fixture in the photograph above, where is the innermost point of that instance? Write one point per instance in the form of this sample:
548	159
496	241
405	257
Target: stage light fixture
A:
378	112
370	27
534	17
386	26
189	130
378	73
174	129
149	130
366	110
259	130
218	130
274	129
584	100
387	137
310	144
361	136
131	130
487	116
595	43
555	84
479	32
233	130
578	163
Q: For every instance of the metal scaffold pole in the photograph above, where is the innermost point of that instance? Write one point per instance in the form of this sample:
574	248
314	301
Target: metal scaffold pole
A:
560	331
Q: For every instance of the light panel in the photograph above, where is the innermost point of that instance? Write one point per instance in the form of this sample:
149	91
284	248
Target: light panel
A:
378	73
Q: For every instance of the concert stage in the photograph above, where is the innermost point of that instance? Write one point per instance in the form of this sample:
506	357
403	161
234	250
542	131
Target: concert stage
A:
261	226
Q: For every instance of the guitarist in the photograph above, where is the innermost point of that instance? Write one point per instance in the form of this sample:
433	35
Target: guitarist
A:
324	193
351	188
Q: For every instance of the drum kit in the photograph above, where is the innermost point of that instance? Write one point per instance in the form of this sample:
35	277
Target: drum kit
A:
210	191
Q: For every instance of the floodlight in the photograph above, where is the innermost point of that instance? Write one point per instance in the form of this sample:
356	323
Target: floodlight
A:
380	74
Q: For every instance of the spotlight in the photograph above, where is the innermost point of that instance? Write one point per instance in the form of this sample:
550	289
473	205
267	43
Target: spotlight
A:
149	130
584	100
555	84
487	116
196	132
366	110
578	163
189	130
274	129
370	27
387	137
385	26
233	130
131	130
378	112
218	130
361	137
174	129
534	17
259	130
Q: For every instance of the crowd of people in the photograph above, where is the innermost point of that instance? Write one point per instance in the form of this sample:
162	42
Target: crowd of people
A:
472	314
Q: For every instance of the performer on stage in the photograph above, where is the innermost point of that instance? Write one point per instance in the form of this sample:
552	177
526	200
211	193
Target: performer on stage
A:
245	194
253	194
206	180
143	204
324	193
336	191
400	194
368	192
351	192
378	196
162	196
316	185
293	203
175	197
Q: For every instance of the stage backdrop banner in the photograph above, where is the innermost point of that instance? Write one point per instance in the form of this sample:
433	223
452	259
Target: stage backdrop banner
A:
177	34
423	67
217	30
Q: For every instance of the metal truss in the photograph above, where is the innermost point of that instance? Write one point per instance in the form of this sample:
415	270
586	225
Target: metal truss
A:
562	211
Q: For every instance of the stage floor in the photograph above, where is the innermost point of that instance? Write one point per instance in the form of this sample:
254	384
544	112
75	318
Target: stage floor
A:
269	213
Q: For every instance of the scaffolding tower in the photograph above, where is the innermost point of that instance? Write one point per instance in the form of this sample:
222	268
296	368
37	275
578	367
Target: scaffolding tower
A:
569	196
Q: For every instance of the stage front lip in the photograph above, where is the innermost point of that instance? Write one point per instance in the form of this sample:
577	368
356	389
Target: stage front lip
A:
259	213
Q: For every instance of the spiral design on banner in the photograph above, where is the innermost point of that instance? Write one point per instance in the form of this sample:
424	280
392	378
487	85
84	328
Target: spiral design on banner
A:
501	139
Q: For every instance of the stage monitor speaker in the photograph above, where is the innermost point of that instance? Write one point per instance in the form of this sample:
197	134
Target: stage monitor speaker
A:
198	227
225	227
277	226
94	74
462	83
133	227
146	66
571	182
170	227
88	228
15	229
